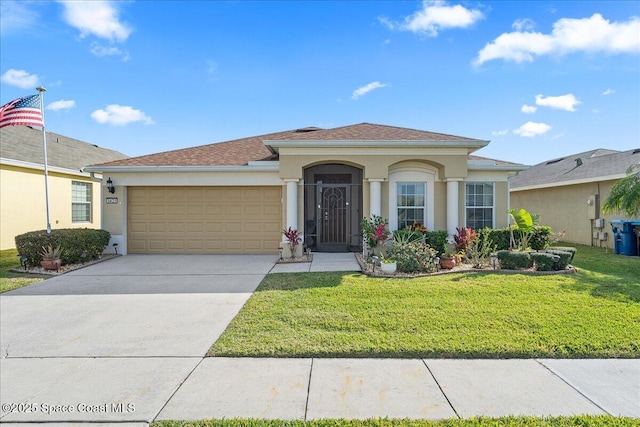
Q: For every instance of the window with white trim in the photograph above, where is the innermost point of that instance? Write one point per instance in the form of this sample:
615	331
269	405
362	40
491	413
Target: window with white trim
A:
80	201
479	207
410	203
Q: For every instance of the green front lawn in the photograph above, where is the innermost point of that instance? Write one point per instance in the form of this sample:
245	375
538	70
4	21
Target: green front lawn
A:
8	280
594	313
584	420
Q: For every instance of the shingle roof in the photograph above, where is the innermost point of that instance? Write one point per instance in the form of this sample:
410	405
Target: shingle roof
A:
242	151
588	166
24	144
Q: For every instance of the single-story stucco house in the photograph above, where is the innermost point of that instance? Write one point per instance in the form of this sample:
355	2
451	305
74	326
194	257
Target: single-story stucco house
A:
238	196
74	195
568	193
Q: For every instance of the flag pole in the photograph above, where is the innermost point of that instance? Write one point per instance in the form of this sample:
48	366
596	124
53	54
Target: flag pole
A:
42	90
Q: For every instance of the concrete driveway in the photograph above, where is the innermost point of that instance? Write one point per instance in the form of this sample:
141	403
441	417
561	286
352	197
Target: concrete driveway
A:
125	331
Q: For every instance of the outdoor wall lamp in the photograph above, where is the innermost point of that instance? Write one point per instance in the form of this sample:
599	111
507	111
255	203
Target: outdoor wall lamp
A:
110	186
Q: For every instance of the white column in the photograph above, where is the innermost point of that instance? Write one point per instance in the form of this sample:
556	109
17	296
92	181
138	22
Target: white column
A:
452	206
292	203
375	196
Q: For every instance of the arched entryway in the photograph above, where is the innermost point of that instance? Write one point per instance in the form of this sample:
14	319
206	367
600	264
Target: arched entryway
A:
332	207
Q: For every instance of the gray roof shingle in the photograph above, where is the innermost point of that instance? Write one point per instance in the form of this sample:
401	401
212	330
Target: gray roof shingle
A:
587	166
24	144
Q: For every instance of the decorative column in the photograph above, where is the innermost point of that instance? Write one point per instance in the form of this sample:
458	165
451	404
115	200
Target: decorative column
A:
375	196
452	206
292	203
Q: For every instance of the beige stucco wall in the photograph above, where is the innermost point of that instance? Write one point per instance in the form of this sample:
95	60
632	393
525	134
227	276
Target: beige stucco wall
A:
22	202
565	208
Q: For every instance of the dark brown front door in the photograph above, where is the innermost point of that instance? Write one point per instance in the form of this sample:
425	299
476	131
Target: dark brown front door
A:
334	213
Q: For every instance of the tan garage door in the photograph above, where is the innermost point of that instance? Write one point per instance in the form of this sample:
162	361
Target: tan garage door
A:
204	219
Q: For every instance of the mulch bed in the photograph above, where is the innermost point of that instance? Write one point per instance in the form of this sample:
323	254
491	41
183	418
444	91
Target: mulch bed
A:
64	268
369	270
303	258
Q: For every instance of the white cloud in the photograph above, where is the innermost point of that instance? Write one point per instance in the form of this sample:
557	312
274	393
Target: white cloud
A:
97	17
436	16
366	89
120	115
608	92
500	132
531	129
16	16
524	24
100	51
61	105
528	109
594	34
595	111
566	102
20	78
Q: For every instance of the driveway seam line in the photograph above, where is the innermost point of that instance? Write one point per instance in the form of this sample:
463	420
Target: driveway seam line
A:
306	404
557	374
441	390
176	390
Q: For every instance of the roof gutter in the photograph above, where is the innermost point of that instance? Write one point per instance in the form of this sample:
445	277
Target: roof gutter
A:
514	168
271	167
475	144
37	166
569	182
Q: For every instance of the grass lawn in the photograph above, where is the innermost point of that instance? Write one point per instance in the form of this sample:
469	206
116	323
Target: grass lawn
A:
8	280
586	420
592	314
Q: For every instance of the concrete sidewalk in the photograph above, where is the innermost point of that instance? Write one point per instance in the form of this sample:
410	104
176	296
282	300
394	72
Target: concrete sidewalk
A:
321	262
308	389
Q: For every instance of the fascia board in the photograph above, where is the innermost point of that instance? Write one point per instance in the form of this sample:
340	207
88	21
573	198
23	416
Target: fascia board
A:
39	166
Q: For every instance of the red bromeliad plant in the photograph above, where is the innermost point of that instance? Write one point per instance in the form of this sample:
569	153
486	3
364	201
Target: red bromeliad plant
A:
293	239
464	236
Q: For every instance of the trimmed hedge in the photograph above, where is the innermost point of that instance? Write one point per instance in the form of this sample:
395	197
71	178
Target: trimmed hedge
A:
565	258
570	249
500	237
437	239
72	241
514	260
542	261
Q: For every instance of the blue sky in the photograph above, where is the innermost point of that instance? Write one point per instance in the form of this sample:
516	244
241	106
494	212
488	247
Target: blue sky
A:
540	79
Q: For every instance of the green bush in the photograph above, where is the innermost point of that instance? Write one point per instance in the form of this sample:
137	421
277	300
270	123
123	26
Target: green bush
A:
407	236
499	237
542	261
437	239
414	257
569	249
565	258
540	239
72	241
514	260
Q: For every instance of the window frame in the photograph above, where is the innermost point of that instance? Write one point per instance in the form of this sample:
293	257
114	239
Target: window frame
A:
467	207
423	207
410	173
88	194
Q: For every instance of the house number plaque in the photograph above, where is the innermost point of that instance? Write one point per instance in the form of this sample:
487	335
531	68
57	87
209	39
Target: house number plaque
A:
112	200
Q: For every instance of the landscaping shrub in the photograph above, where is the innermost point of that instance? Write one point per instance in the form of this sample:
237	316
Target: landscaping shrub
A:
565	258
414	257
499	237
514	260
570	249
463	237
479	249
437	240
407	236
72	241
541	237
542	261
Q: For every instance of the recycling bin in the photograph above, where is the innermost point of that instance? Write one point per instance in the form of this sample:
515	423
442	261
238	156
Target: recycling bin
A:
624	236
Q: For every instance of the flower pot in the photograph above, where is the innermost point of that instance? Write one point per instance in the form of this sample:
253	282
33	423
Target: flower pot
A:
388	267
51	264
447	263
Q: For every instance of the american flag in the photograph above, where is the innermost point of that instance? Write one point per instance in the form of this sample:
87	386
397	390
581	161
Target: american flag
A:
22	112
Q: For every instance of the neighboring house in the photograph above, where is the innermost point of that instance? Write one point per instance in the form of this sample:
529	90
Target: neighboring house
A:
568	192
238	196
74	196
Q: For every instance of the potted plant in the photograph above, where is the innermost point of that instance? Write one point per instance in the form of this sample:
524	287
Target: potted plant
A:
293	240
51	258
447	260
388	265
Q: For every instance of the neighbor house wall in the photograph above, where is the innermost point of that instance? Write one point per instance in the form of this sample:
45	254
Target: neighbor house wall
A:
23	206
564	208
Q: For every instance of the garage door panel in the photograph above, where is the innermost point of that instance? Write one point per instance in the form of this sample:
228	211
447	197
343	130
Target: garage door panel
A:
204	219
